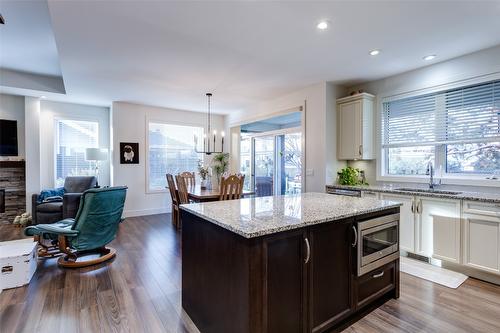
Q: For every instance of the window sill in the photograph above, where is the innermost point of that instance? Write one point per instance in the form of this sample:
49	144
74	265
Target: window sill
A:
156	191
469	181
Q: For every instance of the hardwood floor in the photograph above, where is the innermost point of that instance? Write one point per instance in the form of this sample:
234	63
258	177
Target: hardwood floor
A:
140	292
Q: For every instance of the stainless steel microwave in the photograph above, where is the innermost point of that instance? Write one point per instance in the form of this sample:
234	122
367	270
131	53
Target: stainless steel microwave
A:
377	242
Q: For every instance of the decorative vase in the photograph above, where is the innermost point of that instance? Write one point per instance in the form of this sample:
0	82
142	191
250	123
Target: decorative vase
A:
203	184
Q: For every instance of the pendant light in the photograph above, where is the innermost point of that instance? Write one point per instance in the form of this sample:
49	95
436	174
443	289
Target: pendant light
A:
207	138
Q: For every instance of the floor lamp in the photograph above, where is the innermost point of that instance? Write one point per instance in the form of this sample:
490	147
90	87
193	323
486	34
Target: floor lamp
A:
96	155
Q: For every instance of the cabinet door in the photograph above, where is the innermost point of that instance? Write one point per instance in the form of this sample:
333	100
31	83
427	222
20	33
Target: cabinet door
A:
369	194
482	242
406	220
446	215
350	127
330	274
286	281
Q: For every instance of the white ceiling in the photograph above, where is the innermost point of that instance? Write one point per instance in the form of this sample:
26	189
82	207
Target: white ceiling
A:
26	40
169	54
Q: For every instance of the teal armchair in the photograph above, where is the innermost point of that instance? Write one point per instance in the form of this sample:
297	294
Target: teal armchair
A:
94	226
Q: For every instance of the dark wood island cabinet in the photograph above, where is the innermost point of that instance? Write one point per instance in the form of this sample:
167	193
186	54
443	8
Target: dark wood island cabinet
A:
282	264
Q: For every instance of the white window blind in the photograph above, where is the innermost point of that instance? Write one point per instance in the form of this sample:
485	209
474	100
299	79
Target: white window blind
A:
72	137
473	114
409	121
464	115
171	150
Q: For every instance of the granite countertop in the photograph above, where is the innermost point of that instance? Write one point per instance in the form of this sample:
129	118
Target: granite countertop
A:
254	217
394	188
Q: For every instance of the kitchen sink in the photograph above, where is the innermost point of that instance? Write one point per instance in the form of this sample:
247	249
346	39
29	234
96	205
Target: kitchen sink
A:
428	191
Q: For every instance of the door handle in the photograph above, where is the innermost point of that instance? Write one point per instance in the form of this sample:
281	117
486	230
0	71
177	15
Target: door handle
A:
413	206
378	275
355	236
308	251
419	206
360	150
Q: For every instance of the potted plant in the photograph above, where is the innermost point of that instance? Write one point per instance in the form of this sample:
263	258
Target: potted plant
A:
220	165
203	172
351	176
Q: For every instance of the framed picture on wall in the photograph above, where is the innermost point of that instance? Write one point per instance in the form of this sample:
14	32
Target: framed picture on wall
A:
129	153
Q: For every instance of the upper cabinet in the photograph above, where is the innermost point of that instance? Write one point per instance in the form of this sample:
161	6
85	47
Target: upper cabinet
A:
355	127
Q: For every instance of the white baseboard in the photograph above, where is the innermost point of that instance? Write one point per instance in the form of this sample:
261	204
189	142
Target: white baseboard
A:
472	272
143	212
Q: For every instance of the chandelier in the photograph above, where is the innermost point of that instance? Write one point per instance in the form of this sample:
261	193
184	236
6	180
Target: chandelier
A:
207	139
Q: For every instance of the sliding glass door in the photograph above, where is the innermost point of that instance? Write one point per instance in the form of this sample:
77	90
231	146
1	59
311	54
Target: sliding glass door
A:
272	162
264	164
290	152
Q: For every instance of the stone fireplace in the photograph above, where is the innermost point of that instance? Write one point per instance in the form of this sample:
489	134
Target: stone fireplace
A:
12	190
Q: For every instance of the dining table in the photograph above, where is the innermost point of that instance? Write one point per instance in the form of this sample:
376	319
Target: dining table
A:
197	194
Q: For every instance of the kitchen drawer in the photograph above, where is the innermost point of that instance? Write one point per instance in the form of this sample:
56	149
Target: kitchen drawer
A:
375	283
369	194
481	208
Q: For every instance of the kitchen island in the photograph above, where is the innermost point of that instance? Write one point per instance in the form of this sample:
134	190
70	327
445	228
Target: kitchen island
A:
297	263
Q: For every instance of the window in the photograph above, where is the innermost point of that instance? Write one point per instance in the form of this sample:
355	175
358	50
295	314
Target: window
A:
72	137
171	150
246	160
458	130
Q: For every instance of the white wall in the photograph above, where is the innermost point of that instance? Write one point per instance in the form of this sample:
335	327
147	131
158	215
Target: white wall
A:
333	92
320	132
33	157
12	108
129	125
49	112
470	66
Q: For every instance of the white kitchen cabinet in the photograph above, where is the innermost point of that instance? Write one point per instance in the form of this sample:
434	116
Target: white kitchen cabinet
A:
482	236
406	220
438	223
355	127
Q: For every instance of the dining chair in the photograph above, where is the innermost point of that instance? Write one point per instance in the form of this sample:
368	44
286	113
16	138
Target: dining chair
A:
189	177
174	194
182	190
231	187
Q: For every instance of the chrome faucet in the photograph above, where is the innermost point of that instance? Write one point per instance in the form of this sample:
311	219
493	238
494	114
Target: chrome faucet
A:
430	172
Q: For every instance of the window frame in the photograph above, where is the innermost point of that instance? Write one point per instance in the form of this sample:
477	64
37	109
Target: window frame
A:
440	149
56	120
146	148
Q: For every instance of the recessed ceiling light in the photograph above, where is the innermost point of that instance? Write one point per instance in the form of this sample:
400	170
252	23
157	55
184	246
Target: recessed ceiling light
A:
322	25
43	97
429	57
374	52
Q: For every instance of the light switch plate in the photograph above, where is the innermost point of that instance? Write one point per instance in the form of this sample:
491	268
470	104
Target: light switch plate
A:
309	172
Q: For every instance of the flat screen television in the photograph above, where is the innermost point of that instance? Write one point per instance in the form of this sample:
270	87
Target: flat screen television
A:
8	137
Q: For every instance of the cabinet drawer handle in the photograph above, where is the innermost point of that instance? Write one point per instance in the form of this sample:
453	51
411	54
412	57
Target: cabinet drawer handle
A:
413	206
419	207
378	275
308	251
360	150
355	236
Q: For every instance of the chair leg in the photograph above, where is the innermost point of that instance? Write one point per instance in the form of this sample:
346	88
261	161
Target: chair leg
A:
174	215
70	260
106	253
46	251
